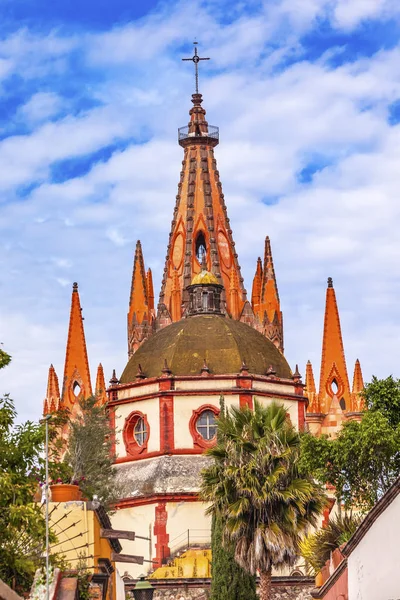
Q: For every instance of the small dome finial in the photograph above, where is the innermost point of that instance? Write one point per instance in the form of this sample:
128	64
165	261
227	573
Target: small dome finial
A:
114	379
140	373
330	282
166	371
74	287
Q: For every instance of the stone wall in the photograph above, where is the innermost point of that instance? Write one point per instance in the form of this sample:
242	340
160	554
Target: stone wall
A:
279	592
182	594
292	592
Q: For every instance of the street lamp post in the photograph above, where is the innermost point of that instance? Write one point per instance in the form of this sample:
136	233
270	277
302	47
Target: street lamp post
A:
46	420
143	590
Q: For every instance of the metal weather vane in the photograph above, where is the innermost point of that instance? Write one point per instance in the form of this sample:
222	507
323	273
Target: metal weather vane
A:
196	59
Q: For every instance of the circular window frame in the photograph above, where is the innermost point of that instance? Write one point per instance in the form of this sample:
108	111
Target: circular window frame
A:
198	440
128	434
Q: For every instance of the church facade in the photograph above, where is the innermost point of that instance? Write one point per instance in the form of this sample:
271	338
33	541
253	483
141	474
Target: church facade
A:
204	340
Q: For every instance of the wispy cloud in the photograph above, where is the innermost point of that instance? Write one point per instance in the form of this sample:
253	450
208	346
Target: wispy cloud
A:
309	155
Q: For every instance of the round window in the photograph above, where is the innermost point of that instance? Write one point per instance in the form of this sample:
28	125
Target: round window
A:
206	425
140	431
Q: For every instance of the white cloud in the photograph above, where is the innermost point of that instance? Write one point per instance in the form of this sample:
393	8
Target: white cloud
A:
40	107
343	223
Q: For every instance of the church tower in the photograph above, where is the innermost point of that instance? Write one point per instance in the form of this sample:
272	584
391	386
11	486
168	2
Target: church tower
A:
201	233
334	402
200	225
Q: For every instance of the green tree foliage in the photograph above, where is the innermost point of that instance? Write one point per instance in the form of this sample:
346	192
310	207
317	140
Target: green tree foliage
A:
89	453
255	487
364	460
316	547
229	580
5	359
22	524
383	395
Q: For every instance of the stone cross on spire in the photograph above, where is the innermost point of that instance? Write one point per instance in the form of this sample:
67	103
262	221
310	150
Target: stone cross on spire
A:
196	59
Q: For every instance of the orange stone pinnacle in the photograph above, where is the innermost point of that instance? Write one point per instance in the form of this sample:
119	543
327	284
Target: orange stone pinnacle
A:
101	394
310	390
52	400
141	303
333	378
150	290
256	290
269	289
138	304
265	299
358	386
76	382
200	224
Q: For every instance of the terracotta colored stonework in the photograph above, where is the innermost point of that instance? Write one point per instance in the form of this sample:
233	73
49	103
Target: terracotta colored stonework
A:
334	401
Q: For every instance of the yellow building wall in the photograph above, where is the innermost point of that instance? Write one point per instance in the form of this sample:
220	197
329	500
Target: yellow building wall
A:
137	519
78	536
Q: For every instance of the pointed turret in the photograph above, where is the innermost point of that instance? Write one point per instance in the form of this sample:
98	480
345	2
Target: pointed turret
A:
150	290
200	224
256	290
265	299
101	394
52	400
76	382
334	402
310	390
175	308
333	379
140	314
357	403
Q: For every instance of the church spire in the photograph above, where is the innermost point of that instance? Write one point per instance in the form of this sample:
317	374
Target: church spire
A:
52	400
76	382
334	380
200	224
140	313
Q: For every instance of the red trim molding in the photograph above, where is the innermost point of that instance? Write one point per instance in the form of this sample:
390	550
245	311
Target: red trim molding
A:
128	434
246	400
156	498
198	440
167	438
162	538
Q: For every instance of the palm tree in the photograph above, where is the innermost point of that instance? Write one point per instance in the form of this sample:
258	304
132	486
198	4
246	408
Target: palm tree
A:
254	486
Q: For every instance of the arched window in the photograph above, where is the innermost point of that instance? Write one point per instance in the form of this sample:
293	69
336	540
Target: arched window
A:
334	386
342	403
136	433
201	248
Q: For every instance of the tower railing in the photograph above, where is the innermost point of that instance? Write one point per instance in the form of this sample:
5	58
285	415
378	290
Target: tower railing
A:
213	132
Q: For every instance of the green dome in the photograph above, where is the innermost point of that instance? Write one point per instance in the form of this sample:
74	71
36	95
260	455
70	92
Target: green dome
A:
223	342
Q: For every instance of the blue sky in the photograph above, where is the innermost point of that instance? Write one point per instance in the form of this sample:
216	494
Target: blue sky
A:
307	97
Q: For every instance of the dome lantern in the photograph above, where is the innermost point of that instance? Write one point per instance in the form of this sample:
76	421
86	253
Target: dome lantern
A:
204	293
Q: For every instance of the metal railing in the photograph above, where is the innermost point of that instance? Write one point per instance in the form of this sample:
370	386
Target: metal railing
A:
191	538
213	132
